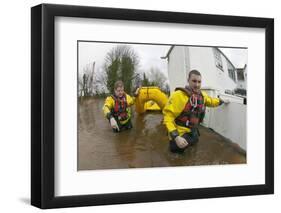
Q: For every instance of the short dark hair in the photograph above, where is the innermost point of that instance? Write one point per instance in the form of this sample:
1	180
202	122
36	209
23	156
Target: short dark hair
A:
118	84
195	72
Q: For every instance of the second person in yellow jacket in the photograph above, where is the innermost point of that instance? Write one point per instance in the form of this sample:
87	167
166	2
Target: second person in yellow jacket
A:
117	108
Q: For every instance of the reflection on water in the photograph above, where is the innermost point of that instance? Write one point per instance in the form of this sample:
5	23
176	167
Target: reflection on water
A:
146	145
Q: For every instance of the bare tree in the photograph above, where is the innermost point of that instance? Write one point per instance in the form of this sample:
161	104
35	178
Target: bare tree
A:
100	83
86	80
157	78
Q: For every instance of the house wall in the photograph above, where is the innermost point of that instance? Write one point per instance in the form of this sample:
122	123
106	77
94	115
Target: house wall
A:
203	60
177	67
228	120
183	59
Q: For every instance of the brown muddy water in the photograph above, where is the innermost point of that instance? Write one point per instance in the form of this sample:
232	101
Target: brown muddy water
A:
146	145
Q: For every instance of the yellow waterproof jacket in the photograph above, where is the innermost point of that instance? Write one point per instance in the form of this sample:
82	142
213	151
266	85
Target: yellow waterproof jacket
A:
175	106
110	103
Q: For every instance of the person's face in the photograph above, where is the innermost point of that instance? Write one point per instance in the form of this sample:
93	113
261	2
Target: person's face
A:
119	91
195	82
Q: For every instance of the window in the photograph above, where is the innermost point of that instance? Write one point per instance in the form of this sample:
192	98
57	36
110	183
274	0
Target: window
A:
218	59
240	75
231	71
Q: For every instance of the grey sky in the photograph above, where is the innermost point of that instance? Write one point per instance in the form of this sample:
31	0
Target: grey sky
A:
149	55
238	56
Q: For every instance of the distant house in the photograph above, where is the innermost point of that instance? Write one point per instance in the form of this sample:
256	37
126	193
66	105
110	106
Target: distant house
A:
242	81
217	70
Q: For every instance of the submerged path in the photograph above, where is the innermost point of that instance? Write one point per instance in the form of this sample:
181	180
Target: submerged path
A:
146	145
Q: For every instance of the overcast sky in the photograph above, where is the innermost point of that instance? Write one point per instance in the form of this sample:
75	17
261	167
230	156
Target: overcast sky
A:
149	55
238	56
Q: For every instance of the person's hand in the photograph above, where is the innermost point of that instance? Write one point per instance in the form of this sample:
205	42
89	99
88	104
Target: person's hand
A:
137	91
181	142
114	124
224	101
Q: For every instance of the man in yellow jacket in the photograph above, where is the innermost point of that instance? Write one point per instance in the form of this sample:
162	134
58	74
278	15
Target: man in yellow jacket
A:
185	110
117	108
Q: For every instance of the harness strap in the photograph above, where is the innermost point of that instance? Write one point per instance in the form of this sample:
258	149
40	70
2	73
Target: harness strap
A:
120	108
194	110
120	105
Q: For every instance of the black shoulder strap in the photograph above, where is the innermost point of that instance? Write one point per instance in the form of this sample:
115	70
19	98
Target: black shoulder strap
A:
114	98
117	100
186	91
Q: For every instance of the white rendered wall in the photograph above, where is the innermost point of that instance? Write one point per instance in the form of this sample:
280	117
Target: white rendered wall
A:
203	60
177	68
228	120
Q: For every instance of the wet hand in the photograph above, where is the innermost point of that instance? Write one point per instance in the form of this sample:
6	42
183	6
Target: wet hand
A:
224	101
114	124
137	92
181	142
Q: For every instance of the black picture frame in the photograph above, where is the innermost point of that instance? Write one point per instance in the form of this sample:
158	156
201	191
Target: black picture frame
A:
43	105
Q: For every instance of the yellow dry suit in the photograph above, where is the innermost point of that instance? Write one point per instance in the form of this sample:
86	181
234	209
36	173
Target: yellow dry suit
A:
185	110
119	108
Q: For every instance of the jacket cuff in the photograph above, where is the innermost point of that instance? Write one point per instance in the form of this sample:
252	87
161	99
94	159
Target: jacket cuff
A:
108	116
221	102
174	134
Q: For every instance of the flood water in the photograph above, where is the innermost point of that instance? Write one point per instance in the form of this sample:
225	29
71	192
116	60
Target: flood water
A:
146	145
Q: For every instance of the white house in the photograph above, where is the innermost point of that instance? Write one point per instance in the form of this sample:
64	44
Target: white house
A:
219	78
217	70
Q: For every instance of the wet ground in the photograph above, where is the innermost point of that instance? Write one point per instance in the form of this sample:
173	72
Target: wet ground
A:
146	145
